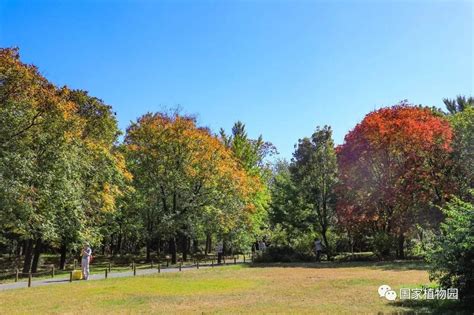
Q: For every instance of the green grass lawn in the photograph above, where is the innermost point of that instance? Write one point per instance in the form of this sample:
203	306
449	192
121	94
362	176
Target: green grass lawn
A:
97	267
296	288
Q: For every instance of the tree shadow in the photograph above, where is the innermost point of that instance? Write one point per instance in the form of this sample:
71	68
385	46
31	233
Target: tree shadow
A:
396	265
434	307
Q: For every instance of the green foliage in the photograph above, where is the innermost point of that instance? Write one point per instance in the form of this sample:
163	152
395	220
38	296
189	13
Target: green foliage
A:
252	155
288	211
463	148
459	104
382	244
452	256
303	196
59	171
314	171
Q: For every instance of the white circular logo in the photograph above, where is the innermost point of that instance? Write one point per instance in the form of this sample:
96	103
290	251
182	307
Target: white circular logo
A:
384	289
391	295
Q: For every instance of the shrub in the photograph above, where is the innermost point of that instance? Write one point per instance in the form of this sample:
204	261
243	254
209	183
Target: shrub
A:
283	254
452	256
382	243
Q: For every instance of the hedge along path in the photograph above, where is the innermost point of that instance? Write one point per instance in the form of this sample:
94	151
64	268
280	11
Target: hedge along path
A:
133	272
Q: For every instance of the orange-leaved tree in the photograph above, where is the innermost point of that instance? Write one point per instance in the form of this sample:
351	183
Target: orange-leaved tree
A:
184	178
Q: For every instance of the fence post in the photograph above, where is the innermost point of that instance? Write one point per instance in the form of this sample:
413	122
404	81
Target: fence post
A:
235	260
105	273
244	258
70	276
52	272
17	275
159	268
29	280
134	269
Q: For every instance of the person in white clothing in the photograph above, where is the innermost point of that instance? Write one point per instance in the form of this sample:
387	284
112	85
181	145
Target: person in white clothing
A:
85	261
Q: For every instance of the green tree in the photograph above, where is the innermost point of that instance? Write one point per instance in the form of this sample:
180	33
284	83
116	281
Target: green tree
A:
314	171
58	168
252	155
459	104
37	127
462	123
452	256
289	213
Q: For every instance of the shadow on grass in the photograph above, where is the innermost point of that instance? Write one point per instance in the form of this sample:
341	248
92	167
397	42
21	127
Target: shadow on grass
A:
434	307
396	265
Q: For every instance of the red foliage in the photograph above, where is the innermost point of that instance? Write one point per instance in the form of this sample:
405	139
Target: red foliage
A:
391	166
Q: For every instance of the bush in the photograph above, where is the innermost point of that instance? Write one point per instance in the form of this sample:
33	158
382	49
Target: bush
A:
382	243
452	256
283	254
418	246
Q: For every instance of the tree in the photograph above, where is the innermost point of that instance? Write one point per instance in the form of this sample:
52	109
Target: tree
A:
251	155
462	123
183	172
392	167
58	169
452	256
459	104
37	127
289	213
314	171
101	176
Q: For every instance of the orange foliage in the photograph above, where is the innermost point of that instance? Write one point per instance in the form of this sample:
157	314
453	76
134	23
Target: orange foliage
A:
179	153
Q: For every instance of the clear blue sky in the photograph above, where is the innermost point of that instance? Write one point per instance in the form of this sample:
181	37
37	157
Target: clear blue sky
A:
282	67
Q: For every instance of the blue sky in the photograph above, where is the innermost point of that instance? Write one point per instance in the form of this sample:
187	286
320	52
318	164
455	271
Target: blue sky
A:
282	67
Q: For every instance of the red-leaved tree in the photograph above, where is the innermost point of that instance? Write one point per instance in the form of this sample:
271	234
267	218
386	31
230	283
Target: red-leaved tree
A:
393	167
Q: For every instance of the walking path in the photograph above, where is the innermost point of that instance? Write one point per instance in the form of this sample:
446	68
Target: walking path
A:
140	272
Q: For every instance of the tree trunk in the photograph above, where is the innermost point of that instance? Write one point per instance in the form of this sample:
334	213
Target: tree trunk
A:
28	251
18	248
24	245
401	250
112	244
37	254
326	243
184	247
148	250
195	246
172	249
158	247
119	244
208	243
62	260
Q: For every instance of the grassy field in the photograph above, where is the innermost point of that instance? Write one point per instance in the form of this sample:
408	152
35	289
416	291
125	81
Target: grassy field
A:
277	288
